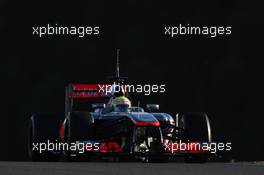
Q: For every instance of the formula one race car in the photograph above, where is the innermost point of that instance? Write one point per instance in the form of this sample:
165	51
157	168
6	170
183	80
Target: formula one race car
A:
90	128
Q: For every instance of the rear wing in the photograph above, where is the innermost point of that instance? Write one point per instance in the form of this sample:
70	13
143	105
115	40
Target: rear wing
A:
80	97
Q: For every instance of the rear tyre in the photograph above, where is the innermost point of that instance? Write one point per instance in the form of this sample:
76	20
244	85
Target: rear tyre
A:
79	127
42	129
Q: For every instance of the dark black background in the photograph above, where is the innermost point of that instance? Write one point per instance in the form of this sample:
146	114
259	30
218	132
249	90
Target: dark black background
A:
221	75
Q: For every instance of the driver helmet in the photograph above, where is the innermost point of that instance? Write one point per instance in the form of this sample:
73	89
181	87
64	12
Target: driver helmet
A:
121	104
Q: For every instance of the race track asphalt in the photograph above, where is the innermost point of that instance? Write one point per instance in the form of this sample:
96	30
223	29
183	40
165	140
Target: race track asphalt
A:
135	168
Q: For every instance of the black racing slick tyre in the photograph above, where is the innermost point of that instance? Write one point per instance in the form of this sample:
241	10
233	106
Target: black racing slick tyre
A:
42	129
79	127
197	129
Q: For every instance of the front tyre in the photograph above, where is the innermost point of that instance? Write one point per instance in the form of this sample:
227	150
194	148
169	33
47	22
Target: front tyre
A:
196	129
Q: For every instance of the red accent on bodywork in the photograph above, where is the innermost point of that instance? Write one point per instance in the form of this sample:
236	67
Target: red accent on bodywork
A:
62	130
142	123
110	146
83	91
191	148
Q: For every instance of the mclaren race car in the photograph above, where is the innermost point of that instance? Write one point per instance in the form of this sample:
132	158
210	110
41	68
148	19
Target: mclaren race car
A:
90	128
128	134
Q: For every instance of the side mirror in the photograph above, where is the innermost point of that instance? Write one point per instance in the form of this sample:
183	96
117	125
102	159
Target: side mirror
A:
152	107
98	105
137	109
